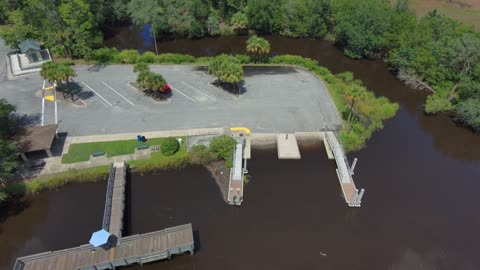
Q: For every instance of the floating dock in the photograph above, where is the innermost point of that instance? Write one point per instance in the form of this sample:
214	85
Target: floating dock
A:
334	150
287	146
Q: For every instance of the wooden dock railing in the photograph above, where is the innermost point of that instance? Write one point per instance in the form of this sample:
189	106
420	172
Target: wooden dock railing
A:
135	249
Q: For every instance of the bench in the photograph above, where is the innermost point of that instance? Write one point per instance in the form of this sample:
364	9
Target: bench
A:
142	146
98	153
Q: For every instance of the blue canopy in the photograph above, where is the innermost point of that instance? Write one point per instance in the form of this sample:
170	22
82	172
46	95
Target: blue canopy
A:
99	238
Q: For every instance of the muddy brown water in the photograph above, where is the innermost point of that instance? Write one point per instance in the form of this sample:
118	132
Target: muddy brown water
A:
421	173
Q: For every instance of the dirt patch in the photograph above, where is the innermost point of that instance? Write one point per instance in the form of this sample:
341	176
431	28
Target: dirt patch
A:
221	175
154	96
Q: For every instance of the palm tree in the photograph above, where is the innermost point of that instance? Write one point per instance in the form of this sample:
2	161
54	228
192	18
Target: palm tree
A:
258	47
65	72
157	82
227	69
49	72
143	79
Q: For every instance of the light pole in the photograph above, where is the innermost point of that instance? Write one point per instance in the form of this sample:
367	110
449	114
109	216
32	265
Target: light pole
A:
154	38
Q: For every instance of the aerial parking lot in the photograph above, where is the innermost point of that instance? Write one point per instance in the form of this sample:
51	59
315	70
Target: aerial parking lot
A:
280	99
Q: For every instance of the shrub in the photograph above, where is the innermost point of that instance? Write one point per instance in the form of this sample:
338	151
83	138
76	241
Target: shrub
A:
147	57
244	59
105	55
200	154
205	60
128	56
169	146
226	30
438	103
223	146
173	58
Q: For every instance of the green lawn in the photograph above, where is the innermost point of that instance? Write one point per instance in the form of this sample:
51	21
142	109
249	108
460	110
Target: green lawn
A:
82	151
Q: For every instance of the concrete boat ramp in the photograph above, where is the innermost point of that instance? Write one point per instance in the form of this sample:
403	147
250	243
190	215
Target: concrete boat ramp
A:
287	146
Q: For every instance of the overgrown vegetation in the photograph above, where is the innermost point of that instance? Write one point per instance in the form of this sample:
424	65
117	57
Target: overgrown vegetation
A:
362	112
223	147
55	181
9	153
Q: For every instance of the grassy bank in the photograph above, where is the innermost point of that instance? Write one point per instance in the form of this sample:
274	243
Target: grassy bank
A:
198	155
81	151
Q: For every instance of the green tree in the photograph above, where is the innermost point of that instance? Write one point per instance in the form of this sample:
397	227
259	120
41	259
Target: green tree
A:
465	54
258	47
468	112
227	69
169	146
213	26
223	147
264	16
360	26
16	29
9	153
239	22
58	73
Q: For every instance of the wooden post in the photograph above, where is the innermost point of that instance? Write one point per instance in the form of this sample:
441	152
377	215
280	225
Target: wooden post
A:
24	157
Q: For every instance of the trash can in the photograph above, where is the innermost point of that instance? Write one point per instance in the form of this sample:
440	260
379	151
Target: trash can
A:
139	138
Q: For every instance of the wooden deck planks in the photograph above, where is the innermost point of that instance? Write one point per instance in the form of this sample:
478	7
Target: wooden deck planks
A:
134	246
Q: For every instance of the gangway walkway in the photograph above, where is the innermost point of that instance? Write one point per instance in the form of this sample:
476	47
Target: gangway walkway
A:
115	199
350	192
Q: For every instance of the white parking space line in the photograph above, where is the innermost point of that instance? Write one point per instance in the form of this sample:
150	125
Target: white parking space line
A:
198	91
183	94
118	93
97	94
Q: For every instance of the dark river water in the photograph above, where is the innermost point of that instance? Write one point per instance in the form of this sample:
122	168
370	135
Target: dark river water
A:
421	175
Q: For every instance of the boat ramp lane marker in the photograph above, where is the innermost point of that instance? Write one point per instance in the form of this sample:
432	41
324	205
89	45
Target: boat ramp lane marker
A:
106	101
111	88
199	91
182	93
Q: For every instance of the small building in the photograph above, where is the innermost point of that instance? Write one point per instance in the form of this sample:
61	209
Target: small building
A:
29	59
36	139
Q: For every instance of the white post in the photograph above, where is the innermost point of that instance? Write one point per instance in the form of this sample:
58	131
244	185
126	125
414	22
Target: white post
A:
55	101
43	111
354	198
353	166
359	199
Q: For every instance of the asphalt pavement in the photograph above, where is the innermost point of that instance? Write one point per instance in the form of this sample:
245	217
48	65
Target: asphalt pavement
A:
273	100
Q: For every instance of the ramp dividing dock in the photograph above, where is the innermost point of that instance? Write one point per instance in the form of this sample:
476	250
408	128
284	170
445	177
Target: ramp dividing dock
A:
135	249
115	199
235	186
344	173
287	146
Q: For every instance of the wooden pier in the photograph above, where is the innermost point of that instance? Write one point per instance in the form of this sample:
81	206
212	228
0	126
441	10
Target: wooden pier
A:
135	249
115	199
344	172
